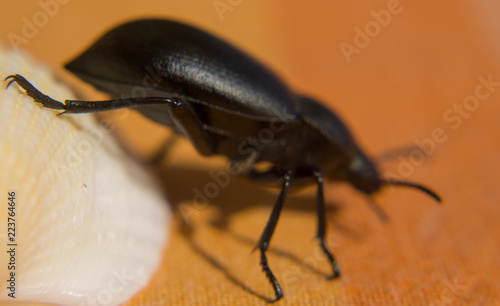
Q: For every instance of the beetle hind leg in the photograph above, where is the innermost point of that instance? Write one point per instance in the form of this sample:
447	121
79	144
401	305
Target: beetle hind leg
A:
321	231
265	238
180	112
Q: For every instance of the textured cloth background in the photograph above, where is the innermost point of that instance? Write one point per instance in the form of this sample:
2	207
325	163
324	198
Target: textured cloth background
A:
416	73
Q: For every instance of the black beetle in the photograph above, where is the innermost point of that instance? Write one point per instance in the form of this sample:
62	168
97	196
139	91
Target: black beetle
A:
225	103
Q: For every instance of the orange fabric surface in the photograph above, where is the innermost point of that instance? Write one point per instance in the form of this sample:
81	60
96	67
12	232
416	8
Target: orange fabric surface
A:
413	80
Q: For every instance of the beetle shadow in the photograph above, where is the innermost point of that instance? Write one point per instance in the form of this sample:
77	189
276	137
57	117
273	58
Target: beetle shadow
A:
184	185
239	195
188	185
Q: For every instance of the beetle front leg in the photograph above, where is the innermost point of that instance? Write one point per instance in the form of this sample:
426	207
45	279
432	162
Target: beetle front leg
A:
265	238
321	231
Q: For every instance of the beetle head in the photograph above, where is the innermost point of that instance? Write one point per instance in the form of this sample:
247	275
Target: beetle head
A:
363	175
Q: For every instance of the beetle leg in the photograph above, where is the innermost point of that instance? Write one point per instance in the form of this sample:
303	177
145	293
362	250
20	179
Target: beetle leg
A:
321	231
76	106
265	238
192	127
180	112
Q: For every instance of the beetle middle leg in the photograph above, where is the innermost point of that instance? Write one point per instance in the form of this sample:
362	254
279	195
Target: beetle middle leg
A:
321	230
265	238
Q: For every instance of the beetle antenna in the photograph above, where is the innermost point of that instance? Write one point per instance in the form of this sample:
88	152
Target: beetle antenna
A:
413	185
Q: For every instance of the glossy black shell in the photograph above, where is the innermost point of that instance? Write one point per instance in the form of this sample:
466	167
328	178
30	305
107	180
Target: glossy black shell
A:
191	64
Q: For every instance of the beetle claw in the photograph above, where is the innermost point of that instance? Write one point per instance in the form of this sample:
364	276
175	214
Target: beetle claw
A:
10	82
34	93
